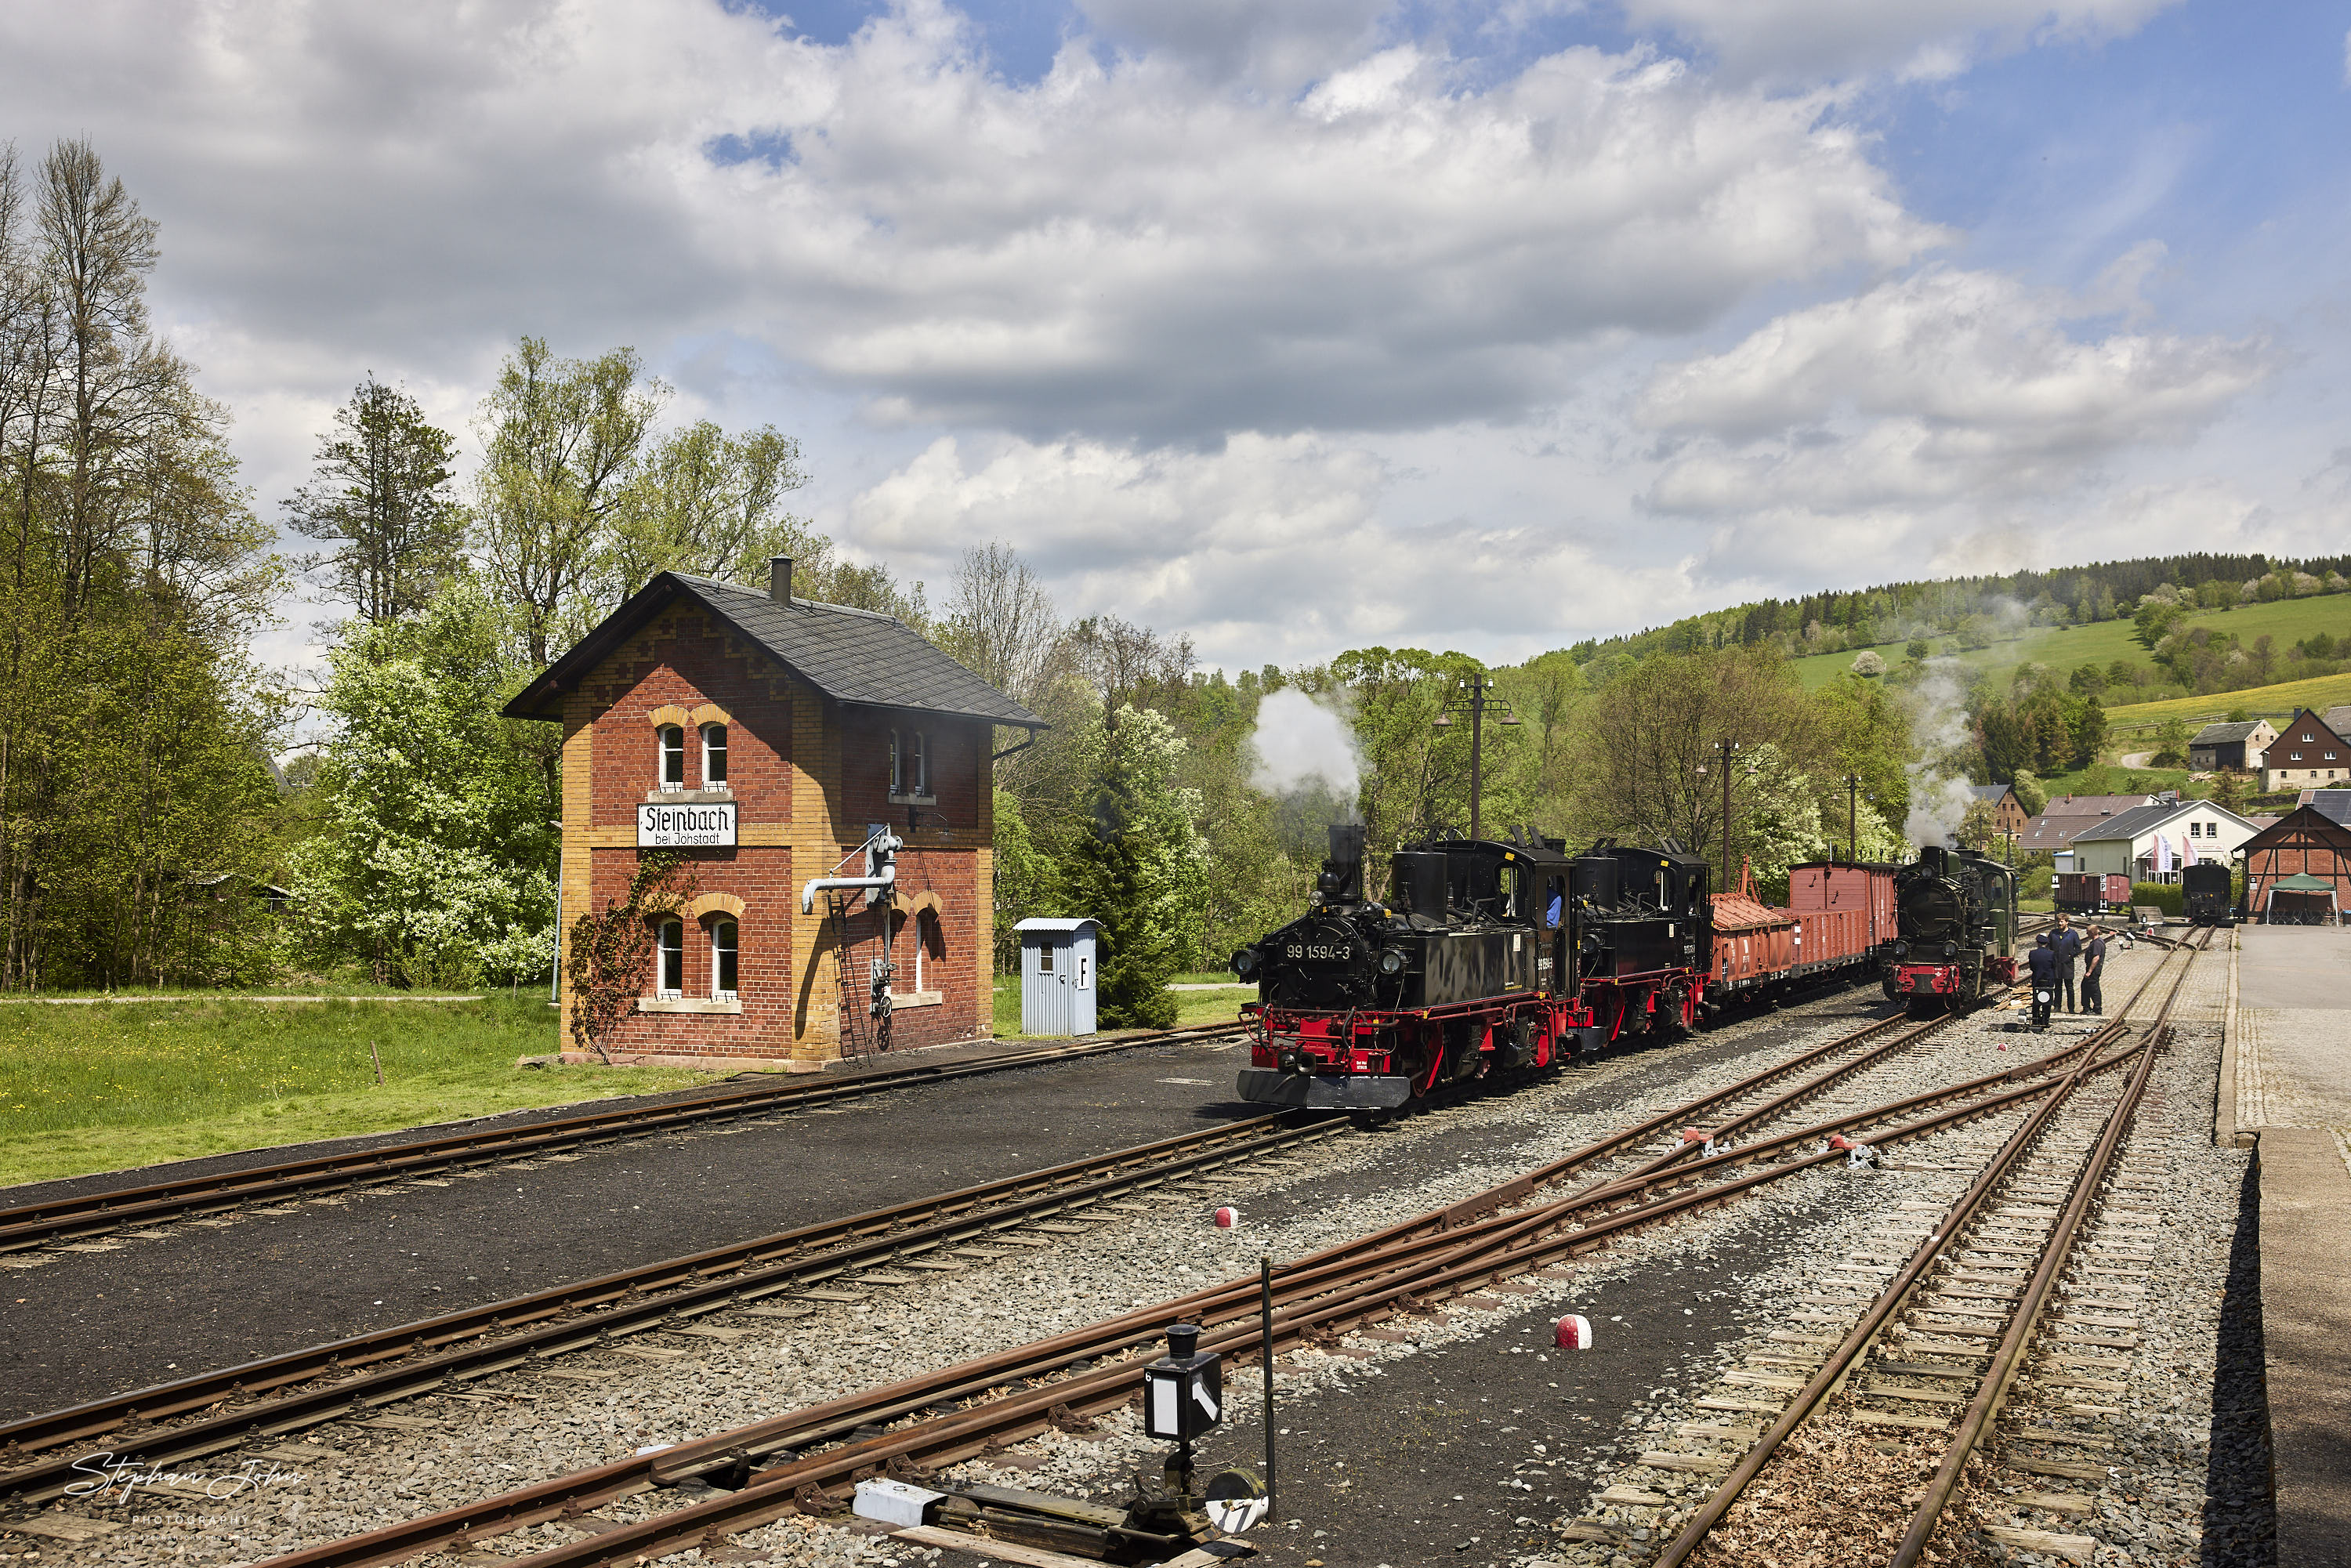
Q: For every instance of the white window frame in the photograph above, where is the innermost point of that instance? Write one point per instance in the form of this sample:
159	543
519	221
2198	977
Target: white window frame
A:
707	781
718	992
665	952
910	766
663	752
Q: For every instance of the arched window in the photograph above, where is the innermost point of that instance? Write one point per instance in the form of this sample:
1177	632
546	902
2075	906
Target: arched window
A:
669	943
714	756
723	938
672	757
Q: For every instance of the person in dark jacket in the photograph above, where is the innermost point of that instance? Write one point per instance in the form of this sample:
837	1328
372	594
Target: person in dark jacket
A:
2094	970
2041	974
2068	945
2041	963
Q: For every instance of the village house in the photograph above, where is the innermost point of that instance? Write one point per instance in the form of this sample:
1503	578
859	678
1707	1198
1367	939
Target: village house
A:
2153	842
2061	818
2307	752
767	740
2237	747
2008	814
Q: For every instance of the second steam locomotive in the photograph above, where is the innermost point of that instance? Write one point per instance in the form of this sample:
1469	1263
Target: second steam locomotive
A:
1494	957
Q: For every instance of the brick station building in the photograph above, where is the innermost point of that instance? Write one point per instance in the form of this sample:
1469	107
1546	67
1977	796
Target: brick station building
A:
764	737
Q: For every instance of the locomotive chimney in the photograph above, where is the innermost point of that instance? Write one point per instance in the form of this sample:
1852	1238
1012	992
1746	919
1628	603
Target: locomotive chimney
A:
1342	881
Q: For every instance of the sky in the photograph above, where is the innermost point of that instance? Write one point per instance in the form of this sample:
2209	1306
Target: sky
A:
1294	326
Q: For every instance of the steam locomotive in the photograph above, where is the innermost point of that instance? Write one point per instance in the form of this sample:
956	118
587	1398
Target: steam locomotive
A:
1493	955
1955	940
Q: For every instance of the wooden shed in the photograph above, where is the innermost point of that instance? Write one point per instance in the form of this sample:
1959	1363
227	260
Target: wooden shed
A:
1057	976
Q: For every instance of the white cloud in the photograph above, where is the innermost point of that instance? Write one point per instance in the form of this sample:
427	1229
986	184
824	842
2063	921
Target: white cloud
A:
1941	387
1926	41
1123	247
1275	547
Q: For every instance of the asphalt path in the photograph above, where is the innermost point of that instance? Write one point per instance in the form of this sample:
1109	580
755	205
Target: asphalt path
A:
202	1296
96	1323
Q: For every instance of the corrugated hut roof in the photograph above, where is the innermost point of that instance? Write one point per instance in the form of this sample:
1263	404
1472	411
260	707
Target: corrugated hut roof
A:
856	656
2221	734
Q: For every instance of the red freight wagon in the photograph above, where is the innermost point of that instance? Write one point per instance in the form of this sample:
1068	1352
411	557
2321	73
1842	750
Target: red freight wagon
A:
1837	916
1754	946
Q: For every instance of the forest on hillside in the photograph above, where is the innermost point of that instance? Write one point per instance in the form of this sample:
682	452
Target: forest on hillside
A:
1972	611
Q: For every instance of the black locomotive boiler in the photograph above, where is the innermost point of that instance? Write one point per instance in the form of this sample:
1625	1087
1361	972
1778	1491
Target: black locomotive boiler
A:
1955	924
1489	955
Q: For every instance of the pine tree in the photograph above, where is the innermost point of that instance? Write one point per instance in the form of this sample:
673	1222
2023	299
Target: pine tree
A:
1134	865
380	494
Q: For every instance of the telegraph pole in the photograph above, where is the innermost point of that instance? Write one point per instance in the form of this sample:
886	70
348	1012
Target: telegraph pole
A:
1853	816
1475	697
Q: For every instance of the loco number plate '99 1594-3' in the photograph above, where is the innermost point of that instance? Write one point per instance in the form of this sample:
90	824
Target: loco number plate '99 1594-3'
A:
1318	952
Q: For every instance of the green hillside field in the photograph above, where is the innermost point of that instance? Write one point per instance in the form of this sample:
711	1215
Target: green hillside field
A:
2272	703
2064	648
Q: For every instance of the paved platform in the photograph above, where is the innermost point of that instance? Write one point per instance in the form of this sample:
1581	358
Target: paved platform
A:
2290	1031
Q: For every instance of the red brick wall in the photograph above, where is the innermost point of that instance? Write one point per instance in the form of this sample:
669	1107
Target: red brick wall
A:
684	659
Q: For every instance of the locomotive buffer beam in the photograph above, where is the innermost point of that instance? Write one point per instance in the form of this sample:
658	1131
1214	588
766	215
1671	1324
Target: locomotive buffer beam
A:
1351	1091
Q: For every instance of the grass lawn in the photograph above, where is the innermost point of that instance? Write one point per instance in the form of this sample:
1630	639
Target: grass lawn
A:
115	1084
2063	648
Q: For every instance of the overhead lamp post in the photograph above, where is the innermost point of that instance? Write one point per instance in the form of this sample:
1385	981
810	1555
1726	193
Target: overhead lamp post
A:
1475	697
1726	749
1853	816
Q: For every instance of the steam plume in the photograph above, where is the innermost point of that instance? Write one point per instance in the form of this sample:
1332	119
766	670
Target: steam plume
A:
1304	747
1940	797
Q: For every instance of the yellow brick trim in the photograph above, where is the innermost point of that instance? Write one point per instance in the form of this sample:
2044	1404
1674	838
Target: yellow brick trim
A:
709	713
712	903
576	890
982	940
669	713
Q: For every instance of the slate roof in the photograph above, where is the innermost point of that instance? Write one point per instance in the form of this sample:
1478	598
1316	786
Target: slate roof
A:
855	656
2338	718
2146	819
2335	805
2093	805
2060	821
1991	792
2221	734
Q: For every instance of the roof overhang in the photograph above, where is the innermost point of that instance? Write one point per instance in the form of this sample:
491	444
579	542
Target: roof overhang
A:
543	698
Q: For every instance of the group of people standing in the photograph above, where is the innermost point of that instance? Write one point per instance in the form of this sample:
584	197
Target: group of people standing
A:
2053	955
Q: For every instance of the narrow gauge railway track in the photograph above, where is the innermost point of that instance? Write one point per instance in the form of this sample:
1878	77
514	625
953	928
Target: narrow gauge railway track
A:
403	1362
1405	1270
49	1220
1973	1304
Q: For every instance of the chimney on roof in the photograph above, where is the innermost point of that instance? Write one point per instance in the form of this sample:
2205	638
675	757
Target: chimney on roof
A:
779	579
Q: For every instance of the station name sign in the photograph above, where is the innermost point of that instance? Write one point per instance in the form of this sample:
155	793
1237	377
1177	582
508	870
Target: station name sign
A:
686	827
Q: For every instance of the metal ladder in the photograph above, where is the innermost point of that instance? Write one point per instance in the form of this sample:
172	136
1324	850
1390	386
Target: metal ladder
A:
864	1017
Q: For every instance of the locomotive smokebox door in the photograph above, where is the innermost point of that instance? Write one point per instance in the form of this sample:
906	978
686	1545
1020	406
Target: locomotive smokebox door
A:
1182	1391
